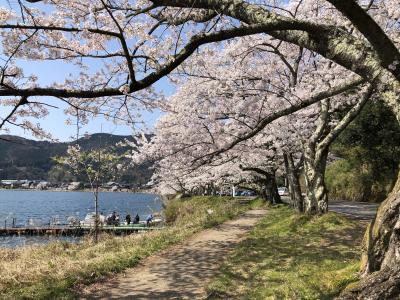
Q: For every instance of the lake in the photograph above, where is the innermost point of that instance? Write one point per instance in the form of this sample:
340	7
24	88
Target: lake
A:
42	207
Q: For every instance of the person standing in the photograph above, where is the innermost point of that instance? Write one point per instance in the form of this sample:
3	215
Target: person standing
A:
136	220
128	219
149	219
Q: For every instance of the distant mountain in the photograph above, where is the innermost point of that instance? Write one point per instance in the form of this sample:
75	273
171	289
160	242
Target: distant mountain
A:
22	158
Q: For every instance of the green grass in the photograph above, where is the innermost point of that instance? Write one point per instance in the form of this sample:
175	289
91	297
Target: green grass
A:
55	270
290	256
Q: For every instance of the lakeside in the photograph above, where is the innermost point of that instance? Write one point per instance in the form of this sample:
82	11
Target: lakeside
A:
33	272
282	245
44	209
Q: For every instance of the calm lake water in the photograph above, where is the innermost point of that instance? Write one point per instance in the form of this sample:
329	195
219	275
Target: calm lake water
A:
40	208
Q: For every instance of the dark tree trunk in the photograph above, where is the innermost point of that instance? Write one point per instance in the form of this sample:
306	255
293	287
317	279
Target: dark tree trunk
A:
272	190
288	179
292	175
264	193
268	186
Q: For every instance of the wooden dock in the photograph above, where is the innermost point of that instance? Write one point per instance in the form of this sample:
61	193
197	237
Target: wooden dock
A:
73	230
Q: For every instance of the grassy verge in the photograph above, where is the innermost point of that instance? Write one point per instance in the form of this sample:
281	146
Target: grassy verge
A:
288	256
52	271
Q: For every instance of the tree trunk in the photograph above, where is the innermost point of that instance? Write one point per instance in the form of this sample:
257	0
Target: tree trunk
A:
380	263
97	217
272	190
264	193
316	201
294	182
269	193
288	179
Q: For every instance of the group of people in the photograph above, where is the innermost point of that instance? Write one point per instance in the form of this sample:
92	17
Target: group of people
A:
113	219
129	220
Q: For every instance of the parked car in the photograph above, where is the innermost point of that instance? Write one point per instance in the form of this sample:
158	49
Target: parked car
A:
238	193
245	193
283	191
248	193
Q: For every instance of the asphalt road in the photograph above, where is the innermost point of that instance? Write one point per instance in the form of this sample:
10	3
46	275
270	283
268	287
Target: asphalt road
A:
359	210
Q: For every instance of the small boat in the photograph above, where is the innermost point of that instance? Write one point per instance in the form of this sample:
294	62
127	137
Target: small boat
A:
156	221
90	219
73	221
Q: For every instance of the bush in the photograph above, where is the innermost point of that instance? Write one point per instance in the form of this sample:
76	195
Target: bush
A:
347	182
370	152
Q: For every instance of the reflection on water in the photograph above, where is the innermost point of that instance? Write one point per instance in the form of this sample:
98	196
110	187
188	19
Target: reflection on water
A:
41	208
21	241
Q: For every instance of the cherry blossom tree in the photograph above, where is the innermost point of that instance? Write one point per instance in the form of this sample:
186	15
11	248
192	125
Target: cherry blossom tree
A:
96	166
212	108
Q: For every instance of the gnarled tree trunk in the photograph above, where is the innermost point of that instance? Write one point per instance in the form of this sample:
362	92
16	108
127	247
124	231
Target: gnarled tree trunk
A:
316	200
272	190
264	193
380	264
292	174
316	152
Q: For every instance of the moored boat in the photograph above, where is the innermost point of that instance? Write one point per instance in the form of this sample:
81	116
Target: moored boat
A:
90	219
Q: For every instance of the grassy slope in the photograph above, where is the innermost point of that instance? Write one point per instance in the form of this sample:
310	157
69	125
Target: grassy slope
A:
288	256
52	271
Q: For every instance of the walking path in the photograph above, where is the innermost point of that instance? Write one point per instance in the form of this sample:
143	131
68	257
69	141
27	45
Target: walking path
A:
180	272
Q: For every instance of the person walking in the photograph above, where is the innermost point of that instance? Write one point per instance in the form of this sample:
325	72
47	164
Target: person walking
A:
149	219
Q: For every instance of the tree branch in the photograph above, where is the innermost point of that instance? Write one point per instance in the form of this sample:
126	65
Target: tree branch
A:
384	47
284	112
22	101
164	70
347	119
257	170
331	42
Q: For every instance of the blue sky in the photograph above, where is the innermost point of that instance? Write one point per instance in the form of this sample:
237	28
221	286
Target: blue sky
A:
55	122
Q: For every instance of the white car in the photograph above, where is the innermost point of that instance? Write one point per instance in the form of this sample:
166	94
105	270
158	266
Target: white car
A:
283	191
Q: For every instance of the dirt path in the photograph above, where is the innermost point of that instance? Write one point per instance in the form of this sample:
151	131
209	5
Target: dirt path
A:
181	272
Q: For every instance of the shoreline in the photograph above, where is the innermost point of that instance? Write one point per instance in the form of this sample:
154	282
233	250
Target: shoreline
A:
81	190
85	193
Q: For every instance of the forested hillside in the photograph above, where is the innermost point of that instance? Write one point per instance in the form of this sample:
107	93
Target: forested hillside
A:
22	158
369	156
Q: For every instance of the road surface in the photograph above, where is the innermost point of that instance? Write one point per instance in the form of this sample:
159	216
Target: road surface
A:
358	210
